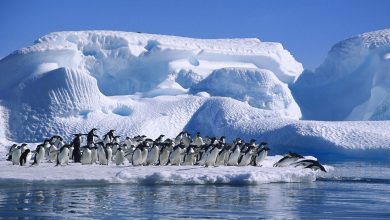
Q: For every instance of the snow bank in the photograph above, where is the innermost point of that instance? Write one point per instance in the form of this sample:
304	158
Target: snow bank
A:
259	88
157	175
352	83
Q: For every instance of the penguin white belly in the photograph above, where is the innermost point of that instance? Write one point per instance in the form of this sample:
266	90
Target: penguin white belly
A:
260	157
47	147
86	157
94	156
119	158
190	159
40	155
63	157
109	155
175	157
246	159
144	156
203	159
53	153
137	157
210	161
222	158
16	156
164	156
233	159
152	158
102	156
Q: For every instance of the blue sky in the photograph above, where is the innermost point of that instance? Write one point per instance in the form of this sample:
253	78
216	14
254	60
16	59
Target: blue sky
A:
307	28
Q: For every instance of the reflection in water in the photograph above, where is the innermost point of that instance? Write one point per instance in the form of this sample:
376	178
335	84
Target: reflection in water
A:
276	201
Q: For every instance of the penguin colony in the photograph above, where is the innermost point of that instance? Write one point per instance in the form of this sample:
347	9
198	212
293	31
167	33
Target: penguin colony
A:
143	151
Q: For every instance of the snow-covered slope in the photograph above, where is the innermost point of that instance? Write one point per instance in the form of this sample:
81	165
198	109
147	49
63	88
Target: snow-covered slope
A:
353	82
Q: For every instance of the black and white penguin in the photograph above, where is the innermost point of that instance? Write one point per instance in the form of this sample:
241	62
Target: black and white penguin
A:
198	140
63	155
179	138
16	153
288	159
165	151
212	157
129	153
25	157
76	152
311	164
176	156
46	146
137	156
246	157
153	155
119	157
145	151
53	151
109	137
39	154
86	156
261	153
102	154
190	156
159	139
234	155
94	154
12	148
91	135
223	156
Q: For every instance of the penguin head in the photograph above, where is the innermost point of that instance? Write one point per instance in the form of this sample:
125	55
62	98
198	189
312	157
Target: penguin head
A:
27	151
198	134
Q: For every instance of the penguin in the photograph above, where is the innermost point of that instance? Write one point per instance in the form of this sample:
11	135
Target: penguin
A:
119	157
63	155
311	164
39	154
233	156
86	156
137	156
94	155
16	153
91	135
261	154
145	152
198	141
24	158
46	146
190	156
186	139
288	159
102	154
176	156
153	155
53	151
76	152
164	154
222	140
178	138
246	157
108	152
109	137
12	148
212	157
223	156
129	153
159	139
203	155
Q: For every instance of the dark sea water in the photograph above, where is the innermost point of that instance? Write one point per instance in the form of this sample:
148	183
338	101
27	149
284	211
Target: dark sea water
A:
357	191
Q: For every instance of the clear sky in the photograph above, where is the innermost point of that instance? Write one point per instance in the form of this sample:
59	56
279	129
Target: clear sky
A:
307	28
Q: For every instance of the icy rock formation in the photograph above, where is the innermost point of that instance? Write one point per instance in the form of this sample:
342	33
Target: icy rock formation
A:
353	83
259	88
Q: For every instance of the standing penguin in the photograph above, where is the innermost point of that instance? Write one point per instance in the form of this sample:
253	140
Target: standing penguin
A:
91	136
198	141
223	156
153	155
165	152
119	157
233	156
25	157
262	153
86	157
94	155
39	154
63	155
12	148
190	156
16	155
53	151
245	160
212	157
176	156
76	144
137	156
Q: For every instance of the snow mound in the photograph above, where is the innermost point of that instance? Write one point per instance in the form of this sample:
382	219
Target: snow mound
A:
259	88
158	175
352	83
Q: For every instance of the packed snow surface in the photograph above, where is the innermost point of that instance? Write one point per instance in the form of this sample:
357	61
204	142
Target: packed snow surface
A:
70	82
158	175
